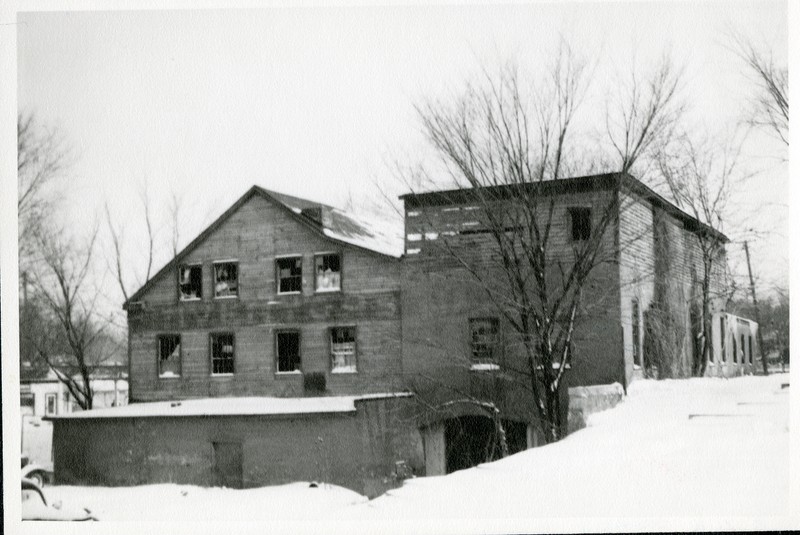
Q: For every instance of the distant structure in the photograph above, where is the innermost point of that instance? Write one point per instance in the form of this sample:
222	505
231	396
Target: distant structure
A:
285	342
43	395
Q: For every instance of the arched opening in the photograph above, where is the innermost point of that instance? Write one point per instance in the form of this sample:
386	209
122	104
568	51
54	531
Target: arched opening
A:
472	440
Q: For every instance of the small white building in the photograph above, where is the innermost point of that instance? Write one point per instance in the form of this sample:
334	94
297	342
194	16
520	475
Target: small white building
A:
44	395
735	346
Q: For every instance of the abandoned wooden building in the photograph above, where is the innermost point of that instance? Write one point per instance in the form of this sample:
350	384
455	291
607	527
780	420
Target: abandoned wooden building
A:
286	341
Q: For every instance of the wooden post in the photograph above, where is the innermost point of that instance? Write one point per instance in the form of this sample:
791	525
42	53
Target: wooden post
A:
758	315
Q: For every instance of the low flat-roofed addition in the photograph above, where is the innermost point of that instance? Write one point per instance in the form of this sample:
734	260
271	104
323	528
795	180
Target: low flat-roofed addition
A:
244	406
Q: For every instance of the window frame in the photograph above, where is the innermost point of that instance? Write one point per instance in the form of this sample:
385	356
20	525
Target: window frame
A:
317	289
181	298
750	348
582	210
354	357
211	337
217	263
47	398
636	334
159	338
278	274
493	363
722	333
298	370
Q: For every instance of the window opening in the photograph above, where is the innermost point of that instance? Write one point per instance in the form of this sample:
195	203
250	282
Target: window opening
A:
290	275
581	223
226	279
328	269
191	282
343	350
484	338
169	355
635	329
222	354
288	350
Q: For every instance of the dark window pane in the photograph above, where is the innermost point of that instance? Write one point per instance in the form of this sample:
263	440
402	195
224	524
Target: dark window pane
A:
290	274
191	282
484	334
635	329
169	355
581	223
288	351
222	355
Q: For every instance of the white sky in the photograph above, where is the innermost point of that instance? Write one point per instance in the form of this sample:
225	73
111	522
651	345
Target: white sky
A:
318	101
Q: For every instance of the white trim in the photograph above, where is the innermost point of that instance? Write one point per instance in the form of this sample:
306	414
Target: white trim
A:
484	367
327	290
173	376
288	293
187	299
221	374
327	252
293	372
294	255
228	261
227	296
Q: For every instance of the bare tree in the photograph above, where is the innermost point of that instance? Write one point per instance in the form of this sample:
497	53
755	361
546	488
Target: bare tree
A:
770	100
699	176
116	233
505	145
42	156
70	337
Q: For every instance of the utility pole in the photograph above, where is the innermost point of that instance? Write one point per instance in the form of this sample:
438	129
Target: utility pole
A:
755	304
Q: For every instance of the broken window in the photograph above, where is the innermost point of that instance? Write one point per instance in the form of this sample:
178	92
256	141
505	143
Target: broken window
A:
190	280
581	223
288	350
343	350
328	269
484	334
169	355
222	355
635	329
50	404
290	274
226	279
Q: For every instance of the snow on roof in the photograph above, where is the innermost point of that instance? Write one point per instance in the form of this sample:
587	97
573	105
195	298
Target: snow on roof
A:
249	406
383	235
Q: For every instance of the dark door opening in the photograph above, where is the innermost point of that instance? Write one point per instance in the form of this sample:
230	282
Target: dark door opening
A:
472	440
228	464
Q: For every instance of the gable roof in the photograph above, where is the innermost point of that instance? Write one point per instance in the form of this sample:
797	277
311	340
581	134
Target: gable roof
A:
374	236
568	185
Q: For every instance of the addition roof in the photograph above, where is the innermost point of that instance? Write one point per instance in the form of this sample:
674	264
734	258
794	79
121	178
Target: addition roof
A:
568	185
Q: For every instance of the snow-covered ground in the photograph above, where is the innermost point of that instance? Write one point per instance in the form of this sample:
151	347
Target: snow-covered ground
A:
691	454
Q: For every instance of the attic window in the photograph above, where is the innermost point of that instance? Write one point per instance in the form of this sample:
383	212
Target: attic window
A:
581	223
190	281
328	269
226	279
290	274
